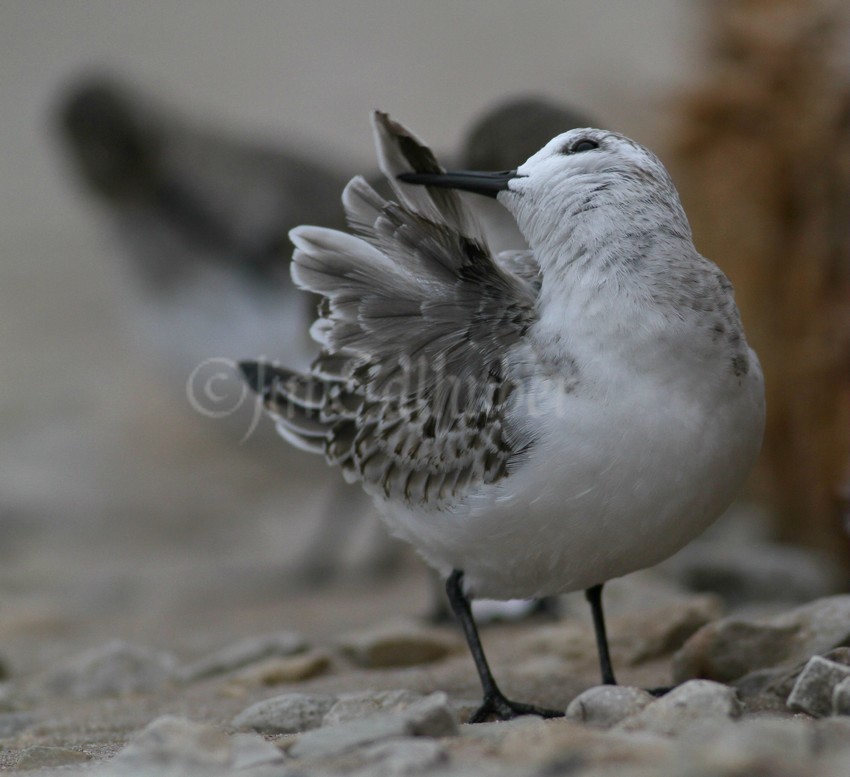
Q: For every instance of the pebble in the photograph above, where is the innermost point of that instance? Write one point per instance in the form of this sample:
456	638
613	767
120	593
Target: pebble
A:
40	757
277	671
175	745
287	714
245	652
606	705
634	639
398	643
732	647
744	573
392	758
813	691
650	635
250	750
560	746
692	703
112	669
352	706
335	740
831	735
770	745
430	716
841	698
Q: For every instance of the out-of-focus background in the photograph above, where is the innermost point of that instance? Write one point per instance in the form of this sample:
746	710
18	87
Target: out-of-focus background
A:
130	504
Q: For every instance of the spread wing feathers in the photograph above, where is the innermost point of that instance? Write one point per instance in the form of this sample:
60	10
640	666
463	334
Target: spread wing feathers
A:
400	151
410	391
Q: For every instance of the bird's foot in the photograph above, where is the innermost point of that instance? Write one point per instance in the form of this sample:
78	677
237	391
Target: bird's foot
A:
496	706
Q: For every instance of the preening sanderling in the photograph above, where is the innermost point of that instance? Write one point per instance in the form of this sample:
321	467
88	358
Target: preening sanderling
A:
534	422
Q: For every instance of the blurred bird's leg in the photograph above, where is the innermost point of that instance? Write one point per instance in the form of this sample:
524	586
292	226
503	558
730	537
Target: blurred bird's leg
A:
385	554
491	611
323	557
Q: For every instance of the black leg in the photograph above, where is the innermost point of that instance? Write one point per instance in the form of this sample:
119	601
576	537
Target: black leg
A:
594	598
495	702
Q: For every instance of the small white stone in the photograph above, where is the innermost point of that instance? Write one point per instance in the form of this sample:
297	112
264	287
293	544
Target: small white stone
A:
606	705
289	713
243	653
694	702
812	693
353	706
841	697
173	741
111	669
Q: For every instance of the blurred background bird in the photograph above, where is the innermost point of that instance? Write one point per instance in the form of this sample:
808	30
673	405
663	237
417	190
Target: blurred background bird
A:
200	218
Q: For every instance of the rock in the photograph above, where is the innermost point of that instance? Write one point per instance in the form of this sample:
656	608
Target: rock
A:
634	638
812	693
354	706
277	671
110	670
831	735
287	714
430	716
648	635
243	653
754	572
172	745
399	757
250	750
770	745
732	647
175	742
398	643
778	683
605	705
565	747
335	740
841	698
694	702
39	757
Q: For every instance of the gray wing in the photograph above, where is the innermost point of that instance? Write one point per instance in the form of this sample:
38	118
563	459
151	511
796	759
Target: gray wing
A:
409	394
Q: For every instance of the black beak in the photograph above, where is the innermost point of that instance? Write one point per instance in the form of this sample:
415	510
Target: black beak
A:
488	184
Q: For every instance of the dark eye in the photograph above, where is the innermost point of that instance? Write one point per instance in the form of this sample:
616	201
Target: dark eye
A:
585	144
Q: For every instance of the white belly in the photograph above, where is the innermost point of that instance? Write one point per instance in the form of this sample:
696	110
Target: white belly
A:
608	489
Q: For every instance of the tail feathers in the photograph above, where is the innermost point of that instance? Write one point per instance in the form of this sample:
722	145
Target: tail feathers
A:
305	409
293	401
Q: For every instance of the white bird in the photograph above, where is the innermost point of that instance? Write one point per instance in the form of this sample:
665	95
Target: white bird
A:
532	423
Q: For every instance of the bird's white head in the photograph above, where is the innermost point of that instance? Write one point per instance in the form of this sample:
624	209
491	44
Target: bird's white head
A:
589	188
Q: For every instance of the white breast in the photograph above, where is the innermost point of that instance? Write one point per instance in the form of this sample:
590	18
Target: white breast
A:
618	480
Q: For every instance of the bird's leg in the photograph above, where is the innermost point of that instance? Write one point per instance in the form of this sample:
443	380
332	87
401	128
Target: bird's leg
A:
495	702
594	598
